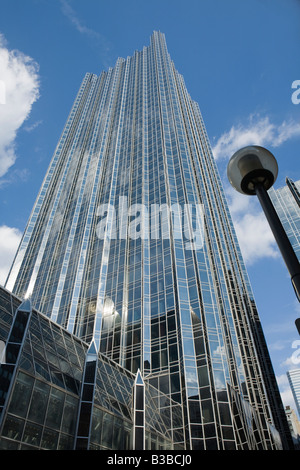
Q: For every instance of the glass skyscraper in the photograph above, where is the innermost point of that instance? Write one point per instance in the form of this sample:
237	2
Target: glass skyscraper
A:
294	381
286	201
130	247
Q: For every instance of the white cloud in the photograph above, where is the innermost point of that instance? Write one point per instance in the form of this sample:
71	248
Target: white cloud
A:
19	75
290	362
33	126
15	177
9	242
256	240
253	232
71	15
258	131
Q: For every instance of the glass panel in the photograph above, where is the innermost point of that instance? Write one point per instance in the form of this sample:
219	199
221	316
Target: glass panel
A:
12	351
13	428
55	409
118	436
32	434
6	373
70	415
84	419
66	442
107	428
21	395
96	425
50	439
6	444
39	402
19	327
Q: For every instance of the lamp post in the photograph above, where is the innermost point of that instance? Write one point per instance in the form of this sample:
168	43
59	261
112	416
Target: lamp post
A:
253	170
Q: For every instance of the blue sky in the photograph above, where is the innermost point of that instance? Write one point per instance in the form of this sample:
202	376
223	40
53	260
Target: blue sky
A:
239	60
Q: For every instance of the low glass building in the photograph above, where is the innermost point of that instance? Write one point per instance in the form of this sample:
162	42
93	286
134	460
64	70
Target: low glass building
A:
58	393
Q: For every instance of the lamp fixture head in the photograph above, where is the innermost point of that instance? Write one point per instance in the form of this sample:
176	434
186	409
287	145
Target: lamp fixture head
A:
250	166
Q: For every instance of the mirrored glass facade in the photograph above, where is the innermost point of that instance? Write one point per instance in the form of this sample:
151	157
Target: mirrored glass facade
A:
294	381
50	400
286	201
131	248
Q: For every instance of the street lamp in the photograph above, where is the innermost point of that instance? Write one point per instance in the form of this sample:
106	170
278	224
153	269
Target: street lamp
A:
253	170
